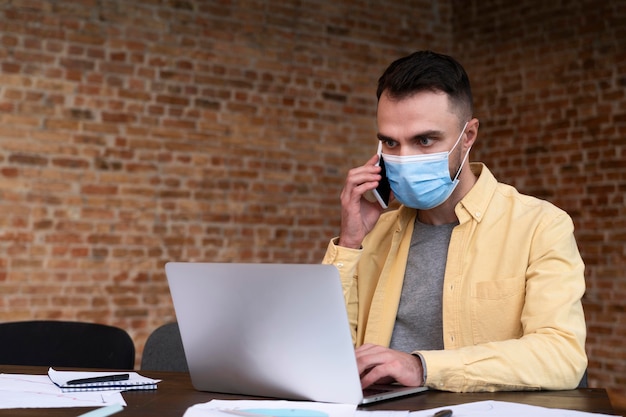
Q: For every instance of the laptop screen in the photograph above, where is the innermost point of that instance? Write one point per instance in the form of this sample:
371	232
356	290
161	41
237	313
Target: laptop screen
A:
273	330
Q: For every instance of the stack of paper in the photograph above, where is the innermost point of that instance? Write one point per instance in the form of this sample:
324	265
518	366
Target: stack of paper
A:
38	391
72	381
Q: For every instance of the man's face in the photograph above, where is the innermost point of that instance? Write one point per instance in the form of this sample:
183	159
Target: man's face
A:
420	124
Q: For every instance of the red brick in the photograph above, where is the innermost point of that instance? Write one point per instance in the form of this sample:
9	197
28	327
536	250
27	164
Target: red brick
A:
98	189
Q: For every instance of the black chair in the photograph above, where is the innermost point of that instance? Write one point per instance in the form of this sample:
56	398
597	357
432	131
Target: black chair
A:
65	344
164	351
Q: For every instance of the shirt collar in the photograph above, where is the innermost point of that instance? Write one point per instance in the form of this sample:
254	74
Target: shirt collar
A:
476	201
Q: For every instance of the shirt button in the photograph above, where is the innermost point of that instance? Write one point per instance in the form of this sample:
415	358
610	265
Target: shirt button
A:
478	214
339	264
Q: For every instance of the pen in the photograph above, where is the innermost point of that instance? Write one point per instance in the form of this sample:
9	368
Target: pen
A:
104	378
443	413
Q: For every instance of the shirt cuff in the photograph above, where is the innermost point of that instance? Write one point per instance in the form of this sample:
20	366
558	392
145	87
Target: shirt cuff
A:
421	358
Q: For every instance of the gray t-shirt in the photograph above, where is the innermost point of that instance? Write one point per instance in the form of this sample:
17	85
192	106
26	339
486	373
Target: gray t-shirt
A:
419	320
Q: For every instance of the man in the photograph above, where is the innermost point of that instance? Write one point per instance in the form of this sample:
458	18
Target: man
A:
463	284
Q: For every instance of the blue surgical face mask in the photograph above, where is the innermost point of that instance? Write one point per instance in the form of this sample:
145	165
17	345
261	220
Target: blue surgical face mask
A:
422	181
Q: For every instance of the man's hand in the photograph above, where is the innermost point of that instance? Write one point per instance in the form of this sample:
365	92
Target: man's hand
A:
381	365
358	216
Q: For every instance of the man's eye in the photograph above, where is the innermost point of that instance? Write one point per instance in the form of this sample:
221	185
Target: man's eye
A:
389	143
425	141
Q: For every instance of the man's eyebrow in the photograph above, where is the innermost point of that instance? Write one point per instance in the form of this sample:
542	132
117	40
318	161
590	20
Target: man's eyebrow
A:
426	134
429	134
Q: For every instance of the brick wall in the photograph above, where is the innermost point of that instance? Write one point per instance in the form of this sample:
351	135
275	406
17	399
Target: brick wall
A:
550	81
133	133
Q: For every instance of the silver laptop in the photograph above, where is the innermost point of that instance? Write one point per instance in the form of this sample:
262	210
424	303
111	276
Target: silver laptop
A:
270	330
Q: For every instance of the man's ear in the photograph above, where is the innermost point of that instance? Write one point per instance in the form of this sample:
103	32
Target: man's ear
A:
471	133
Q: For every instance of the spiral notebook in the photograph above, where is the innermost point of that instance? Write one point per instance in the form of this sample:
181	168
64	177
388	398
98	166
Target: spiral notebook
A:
70	381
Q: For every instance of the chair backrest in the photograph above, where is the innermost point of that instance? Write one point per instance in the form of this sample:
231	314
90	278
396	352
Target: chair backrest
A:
65	344
164	350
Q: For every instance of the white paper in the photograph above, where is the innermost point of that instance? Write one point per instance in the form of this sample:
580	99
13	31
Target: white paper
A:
230	408
381	413
504	408
38	391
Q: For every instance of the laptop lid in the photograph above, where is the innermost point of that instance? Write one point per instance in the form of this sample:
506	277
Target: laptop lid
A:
271	330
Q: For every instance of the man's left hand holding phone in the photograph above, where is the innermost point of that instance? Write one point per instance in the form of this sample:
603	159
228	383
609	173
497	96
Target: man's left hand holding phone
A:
360	209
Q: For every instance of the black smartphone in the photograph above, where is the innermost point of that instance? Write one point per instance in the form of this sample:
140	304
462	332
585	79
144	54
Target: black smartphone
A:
382	193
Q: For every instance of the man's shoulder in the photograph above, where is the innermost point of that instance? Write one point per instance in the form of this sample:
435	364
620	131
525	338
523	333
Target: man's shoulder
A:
512	193
506	197
521	206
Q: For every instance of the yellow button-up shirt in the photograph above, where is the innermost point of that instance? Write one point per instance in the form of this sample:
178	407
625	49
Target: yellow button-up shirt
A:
514	279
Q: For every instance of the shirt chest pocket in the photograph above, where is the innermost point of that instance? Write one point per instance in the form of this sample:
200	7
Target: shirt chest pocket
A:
496	309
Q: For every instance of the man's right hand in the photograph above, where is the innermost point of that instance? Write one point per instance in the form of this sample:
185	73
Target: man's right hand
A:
358	215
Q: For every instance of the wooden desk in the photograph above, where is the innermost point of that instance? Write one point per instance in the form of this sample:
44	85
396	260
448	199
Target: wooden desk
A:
175	394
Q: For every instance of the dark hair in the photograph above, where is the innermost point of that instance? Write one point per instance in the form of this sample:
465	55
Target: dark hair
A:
428	71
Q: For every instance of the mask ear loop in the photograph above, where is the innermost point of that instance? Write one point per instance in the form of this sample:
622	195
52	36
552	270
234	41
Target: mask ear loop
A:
466	153
459	138
462	163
